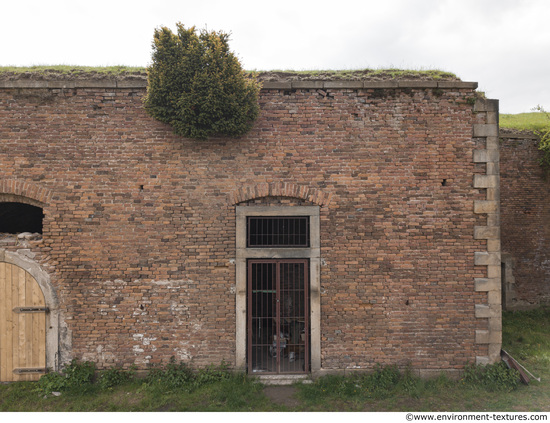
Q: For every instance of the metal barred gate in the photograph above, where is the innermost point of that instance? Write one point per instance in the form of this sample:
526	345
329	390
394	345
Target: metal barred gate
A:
22	325
278	316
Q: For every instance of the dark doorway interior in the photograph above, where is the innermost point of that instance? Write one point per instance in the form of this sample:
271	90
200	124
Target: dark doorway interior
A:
19	217
278	316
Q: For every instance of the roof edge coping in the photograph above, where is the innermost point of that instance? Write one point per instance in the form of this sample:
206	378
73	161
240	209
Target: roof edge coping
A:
267	85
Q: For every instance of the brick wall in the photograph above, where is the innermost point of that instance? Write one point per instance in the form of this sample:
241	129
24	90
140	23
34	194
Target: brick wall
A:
525	214
139	229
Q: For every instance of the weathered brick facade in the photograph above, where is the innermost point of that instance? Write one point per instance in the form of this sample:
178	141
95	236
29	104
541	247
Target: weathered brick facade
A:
139	227
525	211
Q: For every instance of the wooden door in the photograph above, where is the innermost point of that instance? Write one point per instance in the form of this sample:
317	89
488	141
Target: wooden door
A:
22	325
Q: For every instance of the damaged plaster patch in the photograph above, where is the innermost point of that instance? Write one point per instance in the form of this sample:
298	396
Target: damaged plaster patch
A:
195	325
176	283
180	312
185	352
144	342
101	355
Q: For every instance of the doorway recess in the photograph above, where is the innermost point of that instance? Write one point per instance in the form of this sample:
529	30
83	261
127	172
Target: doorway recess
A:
277	281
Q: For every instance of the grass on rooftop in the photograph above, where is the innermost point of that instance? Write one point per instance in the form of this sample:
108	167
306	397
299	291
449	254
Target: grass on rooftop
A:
434	73
116	70
535	121
69	69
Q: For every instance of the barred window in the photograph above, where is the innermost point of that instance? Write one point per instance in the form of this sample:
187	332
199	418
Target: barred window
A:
278	232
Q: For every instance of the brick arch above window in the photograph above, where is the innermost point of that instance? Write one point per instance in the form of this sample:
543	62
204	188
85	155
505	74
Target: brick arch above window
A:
24	192
281	189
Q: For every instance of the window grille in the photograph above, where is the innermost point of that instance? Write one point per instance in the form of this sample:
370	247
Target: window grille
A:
279	232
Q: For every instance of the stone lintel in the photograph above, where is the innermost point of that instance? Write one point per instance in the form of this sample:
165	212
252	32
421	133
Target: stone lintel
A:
482	311
267	85
457	84
485	181
482	337
37	84
486	105
487	284
344	84
485	156
485	206
308	84
416	84
391	83
488	337
486	232
485	130
276	85
484	258
131	84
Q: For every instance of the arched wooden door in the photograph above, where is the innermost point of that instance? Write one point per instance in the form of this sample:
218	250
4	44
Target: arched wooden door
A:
22	325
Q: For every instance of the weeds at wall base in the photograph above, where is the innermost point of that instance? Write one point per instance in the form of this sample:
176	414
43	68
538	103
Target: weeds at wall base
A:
78	378
525	335
385	382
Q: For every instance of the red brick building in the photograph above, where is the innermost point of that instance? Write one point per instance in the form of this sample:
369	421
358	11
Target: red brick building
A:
356	224
525	214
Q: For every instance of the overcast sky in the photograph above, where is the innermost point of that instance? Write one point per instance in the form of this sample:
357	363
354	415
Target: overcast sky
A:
502	44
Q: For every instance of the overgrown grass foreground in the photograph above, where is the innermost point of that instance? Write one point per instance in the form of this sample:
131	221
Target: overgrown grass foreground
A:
175	387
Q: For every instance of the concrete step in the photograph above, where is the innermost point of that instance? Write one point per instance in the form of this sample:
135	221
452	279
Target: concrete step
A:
283	379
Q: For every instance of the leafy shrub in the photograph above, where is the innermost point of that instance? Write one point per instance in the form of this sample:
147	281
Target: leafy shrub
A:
79	374
114	377
196	85
378	384
51	382
76	377
544	142
493	377
212	374
179	376
382	381
172	376
410	384
544	146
